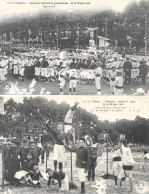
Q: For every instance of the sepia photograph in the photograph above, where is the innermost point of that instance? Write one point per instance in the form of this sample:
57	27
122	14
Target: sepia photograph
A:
74	96
74	145
86	47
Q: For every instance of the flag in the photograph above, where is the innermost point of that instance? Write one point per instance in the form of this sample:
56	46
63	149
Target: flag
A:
128	37
29	31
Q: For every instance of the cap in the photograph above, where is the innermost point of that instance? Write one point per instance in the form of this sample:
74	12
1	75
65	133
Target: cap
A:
32	141
15	140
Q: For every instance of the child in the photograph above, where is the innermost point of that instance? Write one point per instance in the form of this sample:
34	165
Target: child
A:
26	167
93	162
61	177
34	177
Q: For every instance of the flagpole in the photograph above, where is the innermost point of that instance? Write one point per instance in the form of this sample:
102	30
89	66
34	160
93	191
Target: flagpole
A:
106	27
41	37
10	41
78	36
19	37
57	36
29	39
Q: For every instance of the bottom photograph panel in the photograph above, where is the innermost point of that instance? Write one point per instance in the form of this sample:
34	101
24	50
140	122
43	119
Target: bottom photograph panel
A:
70	144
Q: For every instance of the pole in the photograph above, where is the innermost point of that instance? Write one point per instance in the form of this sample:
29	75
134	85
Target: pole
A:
10	42
71	166
46	162
19	37
97	38
3	167
78	42
107	156
41	37
29	39
57	36
106	27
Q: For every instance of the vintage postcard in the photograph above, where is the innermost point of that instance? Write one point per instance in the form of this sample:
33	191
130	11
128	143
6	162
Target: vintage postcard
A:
83	47
40	135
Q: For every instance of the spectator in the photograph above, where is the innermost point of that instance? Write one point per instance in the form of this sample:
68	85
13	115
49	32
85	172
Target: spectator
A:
127	69
143	70
34	150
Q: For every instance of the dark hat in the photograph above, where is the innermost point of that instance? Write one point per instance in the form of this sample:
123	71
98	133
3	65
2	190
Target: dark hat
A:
81	138
32	141
24	140
48	169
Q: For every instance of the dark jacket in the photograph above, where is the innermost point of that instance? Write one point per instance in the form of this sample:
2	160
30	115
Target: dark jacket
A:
45	64
143	68
127	66
23	153
35	176
37	63
82	156
35	151
57	176
93	155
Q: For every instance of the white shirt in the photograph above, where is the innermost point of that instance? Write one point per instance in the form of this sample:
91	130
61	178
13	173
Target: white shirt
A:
118	81
112	74
72	73
98	71
127	158
116	153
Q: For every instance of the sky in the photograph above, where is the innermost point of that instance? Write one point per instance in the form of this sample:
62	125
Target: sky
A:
124	107
10	8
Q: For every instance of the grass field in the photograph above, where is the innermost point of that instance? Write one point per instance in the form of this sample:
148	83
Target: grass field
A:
139	175
87	89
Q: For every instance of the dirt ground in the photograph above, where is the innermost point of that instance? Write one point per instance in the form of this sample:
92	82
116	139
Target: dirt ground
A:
138	177
87	89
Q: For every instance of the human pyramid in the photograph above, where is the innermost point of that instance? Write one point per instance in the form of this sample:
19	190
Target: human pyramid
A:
86	149
82	67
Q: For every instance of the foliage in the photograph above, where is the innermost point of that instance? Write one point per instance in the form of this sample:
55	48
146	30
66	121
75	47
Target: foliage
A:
30	117
119	25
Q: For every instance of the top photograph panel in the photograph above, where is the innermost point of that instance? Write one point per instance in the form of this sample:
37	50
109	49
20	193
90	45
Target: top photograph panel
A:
86	47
